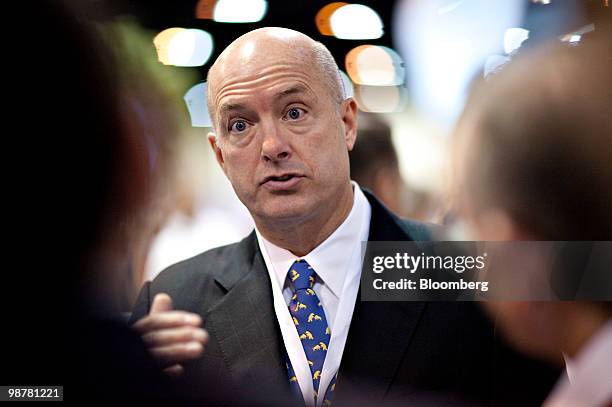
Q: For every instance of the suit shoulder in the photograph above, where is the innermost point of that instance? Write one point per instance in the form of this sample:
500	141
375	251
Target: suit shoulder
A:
421	231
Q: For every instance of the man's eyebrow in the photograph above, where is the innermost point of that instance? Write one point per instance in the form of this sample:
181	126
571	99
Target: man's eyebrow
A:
229	107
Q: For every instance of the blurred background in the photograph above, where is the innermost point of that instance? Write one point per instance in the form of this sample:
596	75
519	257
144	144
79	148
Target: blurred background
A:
408	63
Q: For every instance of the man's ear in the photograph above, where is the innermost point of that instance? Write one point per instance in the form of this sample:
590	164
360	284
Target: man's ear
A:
349	118
212	139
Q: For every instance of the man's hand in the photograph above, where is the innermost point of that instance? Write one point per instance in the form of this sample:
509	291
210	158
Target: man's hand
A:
171	336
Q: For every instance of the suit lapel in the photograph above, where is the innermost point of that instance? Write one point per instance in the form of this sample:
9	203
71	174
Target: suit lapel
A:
244	323
380	332
245	327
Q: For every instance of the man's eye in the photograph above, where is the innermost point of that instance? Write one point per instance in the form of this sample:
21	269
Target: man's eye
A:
294	113
238	126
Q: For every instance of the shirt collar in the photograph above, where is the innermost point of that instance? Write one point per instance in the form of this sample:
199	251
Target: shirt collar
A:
325	259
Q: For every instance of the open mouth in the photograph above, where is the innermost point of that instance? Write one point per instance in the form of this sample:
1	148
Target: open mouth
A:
282	182
282	177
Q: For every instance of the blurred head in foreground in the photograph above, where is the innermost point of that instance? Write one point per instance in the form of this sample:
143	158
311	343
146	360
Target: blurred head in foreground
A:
151	95
105	131
534	162
91	143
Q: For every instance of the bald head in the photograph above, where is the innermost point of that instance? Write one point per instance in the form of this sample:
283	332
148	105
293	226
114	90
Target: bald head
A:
264	49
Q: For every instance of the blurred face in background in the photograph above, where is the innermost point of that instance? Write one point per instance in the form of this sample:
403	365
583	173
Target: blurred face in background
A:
282	138
532	162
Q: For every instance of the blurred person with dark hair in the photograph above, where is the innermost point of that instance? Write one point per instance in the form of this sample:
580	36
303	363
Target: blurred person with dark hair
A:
94	142
374	165
534	162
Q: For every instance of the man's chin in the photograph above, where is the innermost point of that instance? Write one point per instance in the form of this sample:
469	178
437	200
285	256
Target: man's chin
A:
285	214
286	209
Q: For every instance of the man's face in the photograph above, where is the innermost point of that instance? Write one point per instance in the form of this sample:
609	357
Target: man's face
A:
282	140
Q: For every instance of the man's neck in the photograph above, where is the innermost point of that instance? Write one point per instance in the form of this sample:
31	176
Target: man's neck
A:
301	237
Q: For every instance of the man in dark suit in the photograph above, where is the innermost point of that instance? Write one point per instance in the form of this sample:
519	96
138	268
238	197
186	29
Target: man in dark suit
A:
281	308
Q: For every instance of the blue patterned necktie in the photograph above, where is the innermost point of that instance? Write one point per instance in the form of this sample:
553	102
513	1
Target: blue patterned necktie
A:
311	324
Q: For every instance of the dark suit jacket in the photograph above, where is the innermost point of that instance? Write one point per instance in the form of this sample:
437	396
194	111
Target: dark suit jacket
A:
395	350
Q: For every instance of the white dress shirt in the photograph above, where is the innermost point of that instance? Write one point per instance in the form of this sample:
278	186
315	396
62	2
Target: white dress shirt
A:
337	262
589	380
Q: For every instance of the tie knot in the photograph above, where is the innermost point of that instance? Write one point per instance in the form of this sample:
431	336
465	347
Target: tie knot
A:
301	275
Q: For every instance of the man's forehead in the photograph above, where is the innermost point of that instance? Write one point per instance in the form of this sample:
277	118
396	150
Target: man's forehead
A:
246	64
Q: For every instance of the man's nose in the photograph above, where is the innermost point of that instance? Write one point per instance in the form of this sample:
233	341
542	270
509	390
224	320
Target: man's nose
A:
274	146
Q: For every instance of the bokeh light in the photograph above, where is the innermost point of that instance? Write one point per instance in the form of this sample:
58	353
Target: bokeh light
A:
448	6
323	17
513	38
356	22
348	85
381	99
494	62
444	51
190	47
161	42
197	105
240	11
375	65
205	9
